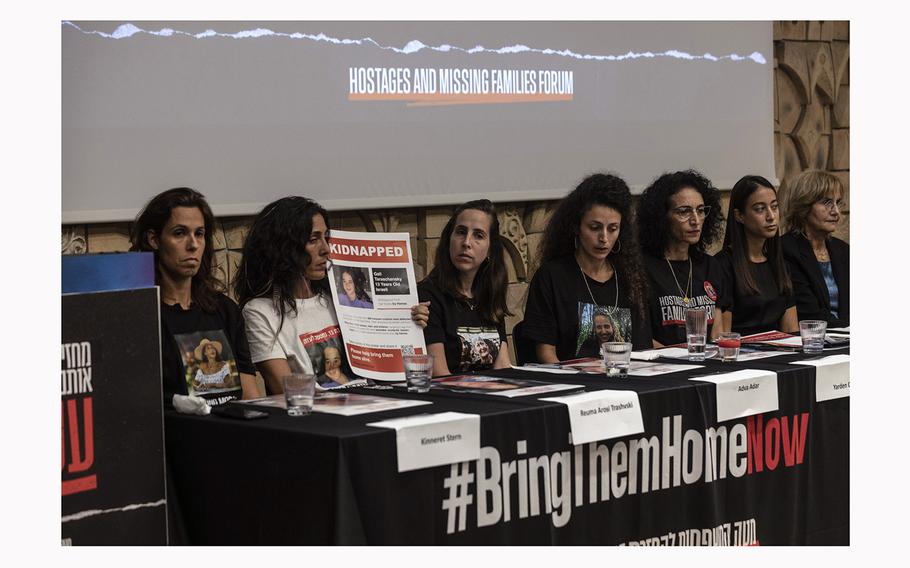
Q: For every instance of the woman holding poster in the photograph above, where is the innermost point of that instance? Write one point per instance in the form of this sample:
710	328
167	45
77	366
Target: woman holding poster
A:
467	294
283	288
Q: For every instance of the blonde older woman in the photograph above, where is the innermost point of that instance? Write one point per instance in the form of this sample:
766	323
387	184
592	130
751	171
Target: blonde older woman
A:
819	263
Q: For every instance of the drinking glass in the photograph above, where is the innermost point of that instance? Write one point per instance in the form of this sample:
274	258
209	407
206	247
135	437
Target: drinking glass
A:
616	358
728	344
696	333
299	389
813	334
418	369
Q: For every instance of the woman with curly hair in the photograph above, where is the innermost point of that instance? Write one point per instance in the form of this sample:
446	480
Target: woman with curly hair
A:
467	293
678	218
177	226
819	263
757	285
590	263
283	288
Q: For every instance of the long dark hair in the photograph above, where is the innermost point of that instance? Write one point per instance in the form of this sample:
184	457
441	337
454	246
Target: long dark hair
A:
735	242
562	229
654	203
205	286
491	280
358	278
274	254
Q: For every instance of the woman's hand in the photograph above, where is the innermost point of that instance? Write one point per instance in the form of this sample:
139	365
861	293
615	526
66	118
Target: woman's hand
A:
420	314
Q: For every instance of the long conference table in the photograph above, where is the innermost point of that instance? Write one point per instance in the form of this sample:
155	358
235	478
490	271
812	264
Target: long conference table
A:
773	478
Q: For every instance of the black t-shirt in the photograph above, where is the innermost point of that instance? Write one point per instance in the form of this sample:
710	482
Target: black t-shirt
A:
471	343
560	311
203	353
666	305
756	313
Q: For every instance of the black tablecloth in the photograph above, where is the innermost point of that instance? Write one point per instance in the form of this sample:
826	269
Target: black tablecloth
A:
328	479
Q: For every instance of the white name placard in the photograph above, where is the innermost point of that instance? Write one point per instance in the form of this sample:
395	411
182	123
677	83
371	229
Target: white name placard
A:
428	440
744	393
601	415
832	377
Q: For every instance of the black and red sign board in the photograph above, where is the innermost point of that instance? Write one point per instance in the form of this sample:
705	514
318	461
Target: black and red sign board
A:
112	445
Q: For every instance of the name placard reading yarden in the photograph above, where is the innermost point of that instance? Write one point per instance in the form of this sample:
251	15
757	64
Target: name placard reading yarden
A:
832	376
744	393
429	440
601	415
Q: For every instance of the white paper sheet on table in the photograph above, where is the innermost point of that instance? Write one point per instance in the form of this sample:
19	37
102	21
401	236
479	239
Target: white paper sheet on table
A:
646	369
744	393
754	355
651	354
832	376
429	440
554	370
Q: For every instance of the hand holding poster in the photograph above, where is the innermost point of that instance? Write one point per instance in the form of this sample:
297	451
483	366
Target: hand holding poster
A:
373	289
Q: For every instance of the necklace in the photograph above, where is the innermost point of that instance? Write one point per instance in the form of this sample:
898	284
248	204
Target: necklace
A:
593	301
685	294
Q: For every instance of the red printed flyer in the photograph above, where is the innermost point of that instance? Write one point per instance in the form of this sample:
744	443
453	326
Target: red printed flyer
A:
373	288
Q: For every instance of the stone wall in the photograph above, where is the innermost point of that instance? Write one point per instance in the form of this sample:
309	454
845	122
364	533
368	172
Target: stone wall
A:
811	130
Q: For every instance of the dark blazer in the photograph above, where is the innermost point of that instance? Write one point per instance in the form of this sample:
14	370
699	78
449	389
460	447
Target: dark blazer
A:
812	301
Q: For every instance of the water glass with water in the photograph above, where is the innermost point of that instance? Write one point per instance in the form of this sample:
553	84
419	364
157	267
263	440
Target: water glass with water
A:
813	334
696	333
728	344
299	389
616	358
418	369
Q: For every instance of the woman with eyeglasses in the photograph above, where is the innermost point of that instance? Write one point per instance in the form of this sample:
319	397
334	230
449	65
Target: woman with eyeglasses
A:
819	263
678	218
756	286
590	264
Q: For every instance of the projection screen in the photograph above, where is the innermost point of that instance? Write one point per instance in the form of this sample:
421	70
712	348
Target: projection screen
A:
362	115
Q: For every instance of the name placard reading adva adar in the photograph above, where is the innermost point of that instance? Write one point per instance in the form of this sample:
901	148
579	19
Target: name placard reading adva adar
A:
744	393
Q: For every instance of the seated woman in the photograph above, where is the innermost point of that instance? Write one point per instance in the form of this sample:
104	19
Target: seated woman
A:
819	264
283	289
590	264
177	226
756	286
679	216
353	292
467	294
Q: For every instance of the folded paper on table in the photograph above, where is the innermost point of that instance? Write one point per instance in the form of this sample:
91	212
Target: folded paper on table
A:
602	415
832	376
430	440
744	393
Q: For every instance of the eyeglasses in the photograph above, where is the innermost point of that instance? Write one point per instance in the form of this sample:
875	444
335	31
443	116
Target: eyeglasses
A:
686	213
830	204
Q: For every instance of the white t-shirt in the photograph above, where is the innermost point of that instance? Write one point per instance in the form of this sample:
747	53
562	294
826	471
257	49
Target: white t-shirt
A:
307	333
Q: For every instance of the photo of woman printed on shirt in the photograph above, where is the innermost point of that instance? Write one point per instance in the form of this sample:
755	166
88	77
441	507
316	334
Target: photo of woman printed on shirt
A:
479	347
329	362
599	324
208	362
353	285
